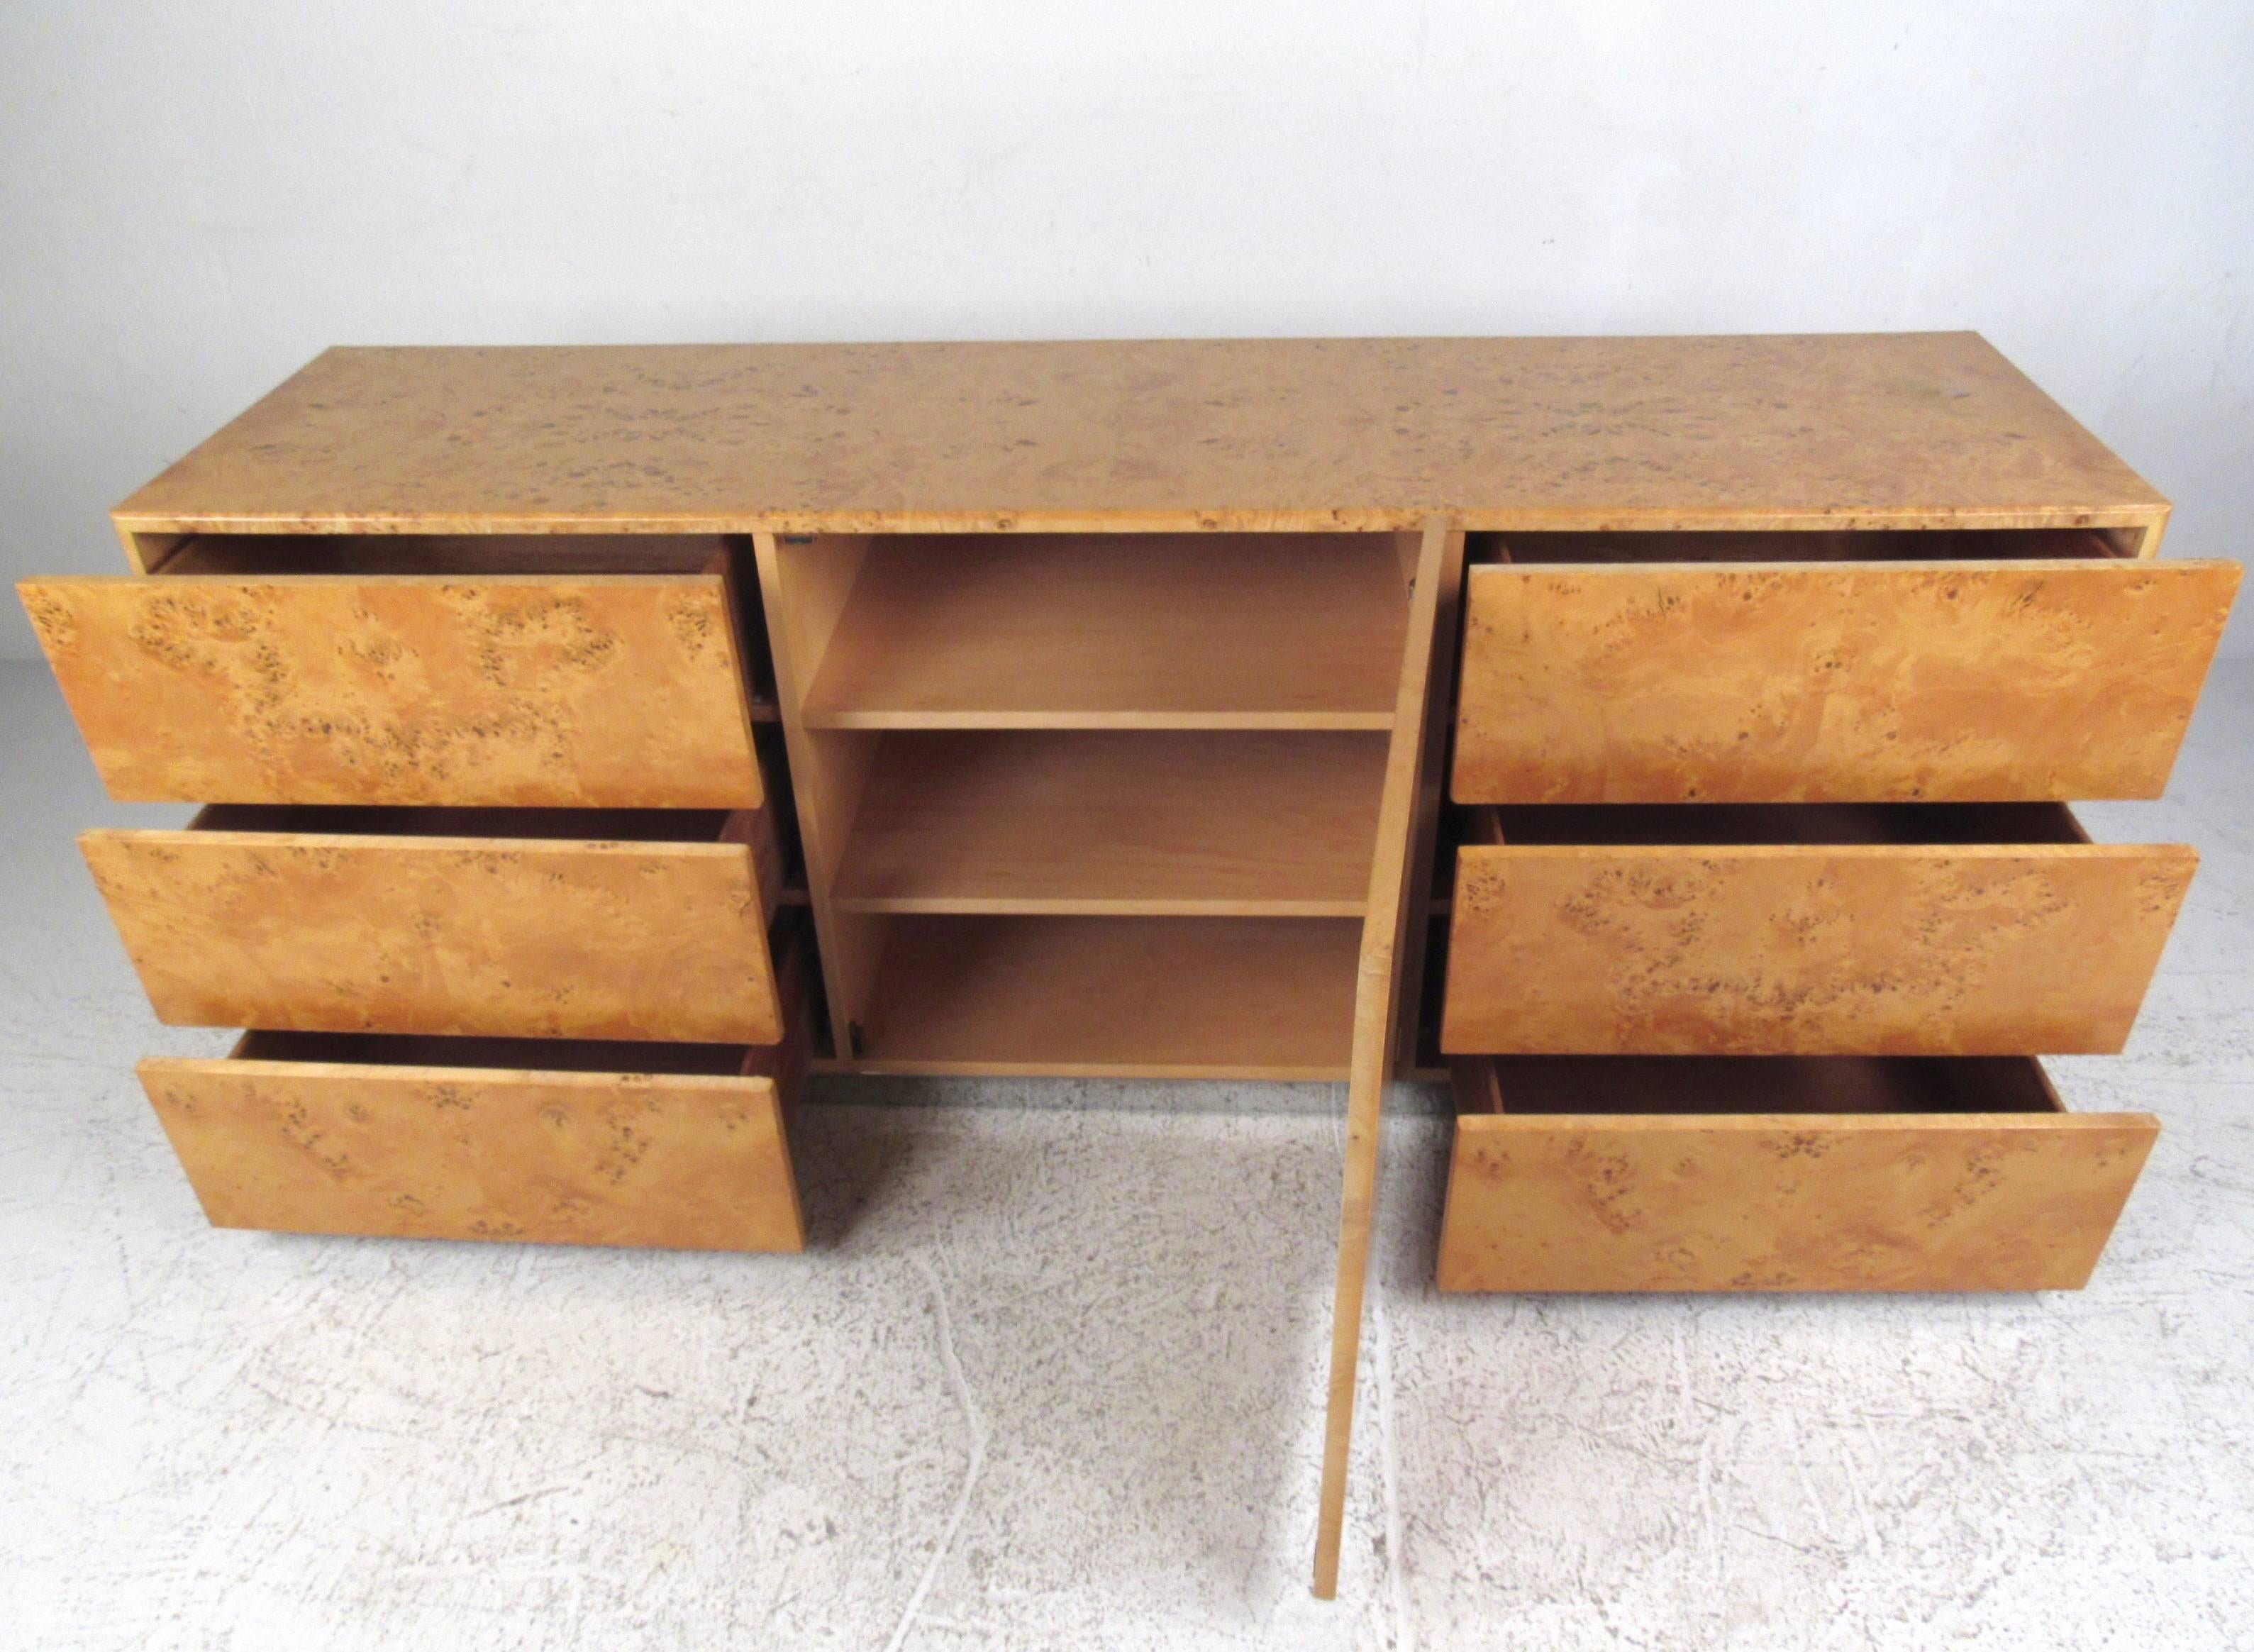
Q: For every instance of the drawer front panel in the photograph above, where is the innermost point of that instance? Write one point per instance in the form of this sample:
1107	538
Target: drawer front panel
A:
1877	682
621	690
1769	949
688	1163
530	938
1998	1202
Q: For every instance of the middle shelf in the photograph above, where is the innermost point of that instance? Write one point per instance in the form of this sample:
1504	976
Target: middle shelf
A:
1136	821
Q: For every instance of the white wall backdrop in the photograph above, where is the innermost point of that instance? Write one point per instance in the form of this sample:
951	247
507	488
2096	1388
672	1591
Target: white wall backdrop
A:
198	197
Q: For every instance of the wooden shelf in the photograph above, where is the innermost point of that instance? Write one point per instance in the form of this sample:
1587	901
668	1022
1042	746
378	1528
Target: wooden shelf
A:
1128	997
1145	822
1130	630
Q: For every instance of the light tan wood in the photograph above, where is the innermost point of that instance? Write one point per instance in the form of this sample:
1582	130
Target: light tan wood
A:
2059	679
1378	979
512	556
623	691
146	553
371	920
674	1146
1147	822
1124	997
1420	1059
1182	631
803	589
1431	848
1665	1184
1738	546
1914	429
790	1058
1879	949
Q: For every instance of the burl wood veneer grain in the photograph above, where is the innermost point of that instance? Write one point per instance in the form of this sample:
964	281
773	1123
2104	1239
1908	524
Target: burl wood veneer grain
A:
1909	1202
1885	682
1901	429
622	691
520	937
1902	949
695	1161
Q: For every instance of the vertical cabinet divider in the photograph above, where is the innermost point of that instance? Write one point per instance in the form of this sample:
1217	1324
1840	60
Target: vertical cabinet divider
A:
805	583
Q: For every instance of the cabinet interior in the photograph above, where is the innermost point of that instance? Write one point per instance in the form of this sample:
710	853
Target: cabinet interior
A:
1740	824
529	1055
1090	802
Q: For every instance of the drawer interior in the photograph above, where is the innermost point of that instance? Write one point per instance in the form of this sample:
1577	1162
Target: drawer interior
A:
774	851
1665	1085
531	1055
251	556
1732	824
577	825
1950	545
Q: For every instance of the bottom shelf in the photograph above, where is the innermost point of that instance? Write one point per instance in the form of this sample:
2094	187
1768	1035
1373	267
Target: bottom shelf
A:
1103	996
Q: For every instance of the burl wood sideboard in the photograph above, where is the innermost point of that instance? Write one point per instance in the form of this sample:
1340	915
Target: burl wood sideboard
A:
1670	740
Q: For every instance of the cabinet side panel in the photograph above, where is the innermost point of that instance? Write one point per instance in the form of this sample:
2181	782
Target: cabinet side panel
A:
804	587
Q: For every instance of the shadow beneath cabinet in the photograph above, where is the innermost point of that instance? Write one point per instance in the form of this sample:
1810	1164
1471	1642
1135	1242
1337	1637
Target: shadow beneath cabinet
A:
1078	1095
842	1172
1411	1195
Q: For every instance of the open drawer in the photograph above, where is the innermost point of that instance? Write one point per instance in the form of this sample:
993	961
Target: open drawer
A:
1783	1174
1871	929
679	1145
539	923
1851	667
598	672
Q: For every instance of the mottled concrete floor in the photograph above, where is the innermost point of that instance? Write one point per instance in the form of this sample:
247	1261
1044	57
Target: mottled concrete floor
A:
1051	1376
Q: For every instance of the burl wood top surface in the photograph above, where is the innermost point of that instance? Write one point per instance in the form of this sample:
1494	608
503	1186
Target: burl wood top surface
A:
1902	429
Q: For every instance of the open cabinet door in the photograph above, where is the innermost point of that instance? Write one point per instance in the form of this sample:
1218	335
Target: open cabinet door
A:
1392	935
